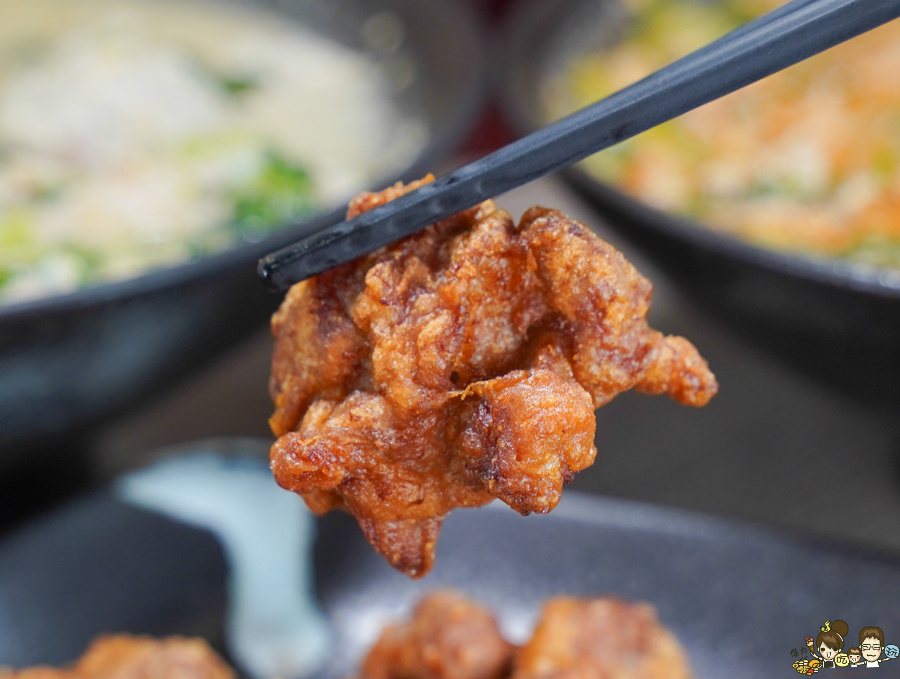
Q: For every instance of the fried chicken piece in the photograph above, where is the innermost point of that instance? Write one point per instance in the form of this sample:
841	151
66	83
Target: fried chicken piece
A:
600	639
448	637
39	672
127	657
458	365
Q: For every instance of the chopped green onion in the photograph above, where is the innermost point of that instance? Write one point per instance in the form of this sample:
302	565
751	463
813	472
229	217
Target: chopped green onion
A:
280	193
236	85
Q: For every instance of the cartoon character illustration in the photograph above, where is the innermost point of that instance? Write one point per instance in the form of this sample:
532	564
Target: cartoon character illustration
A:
830	642
854	656
806	666
871	644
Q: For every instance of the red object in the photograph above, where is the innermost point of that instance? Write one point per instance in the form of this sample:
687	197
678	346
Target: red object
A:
809	640
490	134
497	8
493	10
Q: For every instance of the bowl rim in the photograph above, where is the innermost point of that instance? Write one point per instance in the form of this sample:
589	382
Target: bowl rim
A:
242	254
841	273
518	34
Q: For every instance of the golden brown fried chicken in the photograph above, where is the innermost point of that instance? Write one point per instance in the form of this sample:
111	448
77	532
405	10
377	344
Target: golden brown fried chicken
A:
127	657
458	365
600	639
448	637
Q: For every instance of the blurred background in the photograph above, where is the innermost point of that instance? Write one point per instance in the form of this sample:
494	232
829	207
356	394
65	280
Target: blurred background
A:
801	328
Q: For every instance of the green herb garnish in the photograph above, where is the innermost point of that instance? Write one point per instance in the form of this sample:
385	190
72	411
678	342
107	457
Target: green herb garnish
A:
236	85
280	193
881	252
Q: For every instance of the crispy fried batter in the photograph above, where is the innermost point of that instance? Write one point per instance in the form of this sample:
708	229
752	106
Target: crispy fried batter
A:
600	638
127	657
461	364
448	637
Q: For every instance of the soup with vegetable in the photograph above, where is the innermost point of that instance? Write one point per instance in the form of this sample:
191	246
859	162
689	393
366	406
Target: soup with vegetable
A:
138	134
805	161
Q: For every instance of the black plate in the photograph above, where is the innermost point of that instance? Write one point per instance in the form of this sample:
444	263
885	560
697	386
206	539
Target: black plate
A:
69	360
739	597
837	322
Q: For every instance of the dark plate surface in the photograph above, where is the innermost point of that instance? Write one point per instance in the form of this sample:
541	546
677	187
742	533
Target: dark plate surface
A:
739	597
69	360
837	322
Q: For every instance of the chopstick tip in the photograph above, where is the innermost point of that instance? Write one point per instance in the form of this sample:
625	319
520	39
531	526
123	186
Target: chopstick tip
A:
265	269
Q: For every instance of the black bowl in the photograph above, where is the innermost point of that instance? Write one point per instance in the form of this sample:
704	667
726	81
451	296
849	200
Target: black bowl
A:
68	361
837	322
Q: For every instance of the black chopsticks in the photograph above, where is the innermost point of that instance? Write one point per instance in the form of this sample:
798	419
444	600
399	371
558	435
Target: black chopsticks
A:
775	41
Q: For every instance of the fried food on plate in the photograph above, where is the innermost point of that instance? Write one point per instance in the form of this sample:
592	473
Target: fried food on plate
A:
461	364
448	637
599	638
128	657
